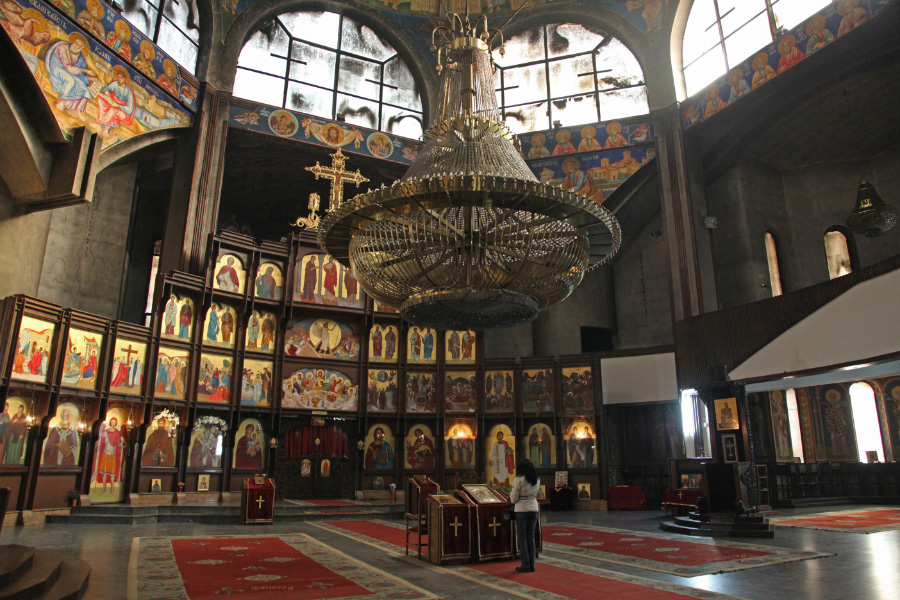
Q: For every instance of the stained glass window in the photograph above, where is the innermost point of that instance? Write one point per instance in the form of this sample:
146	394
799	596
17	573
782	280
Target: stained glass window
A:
173	24
331	66
567	73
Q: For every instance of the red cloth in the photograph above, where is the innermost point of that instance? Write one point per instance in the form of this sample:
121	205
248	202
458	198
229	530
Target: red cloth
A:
680	497
632	497
301	441
254	509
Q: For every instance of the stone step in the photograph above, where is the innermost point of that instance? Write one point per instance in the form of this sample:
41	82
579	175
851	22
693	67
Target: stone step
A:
14	561
72	582
32	583
672	527
722	524
203	514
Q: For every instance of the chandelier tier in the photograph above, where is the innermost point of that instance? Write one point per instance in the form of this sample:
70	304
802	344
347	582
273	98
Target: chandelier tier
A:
469	238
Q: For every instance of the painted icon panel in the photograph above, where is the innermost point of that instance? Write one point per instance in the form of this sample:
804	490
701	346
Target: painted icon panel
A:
261	332
501	466
206	442
108	474
229	274
269	282
420	345
14	424
460	392
162	437
319	389
578	390
178	319
498	391
383	343
420	393
420	451
128	368
171	372
322	280
214	380
62	445
218	329
460	441
34	345
537	390
82	359
540	446
580	445
321	338
382	393
250	445
379	444
460	347
256	383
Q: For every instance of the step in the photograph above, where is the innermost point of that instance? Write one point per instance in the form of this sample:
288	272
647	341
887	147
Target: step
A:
72	582
811	502
44	571
672	527
721	524
14	561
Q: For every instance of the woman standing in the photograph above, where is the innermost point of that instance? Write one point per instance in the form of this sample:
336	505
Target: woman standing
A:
524	495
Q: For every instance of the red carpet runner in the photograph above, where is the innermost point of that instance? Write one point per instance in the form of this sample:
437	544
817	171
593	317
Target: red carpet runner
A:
871	520
255	568
555	579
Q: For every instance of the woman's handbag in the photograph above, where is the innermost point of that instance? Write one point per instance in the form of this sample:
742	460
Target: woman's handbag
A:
510	512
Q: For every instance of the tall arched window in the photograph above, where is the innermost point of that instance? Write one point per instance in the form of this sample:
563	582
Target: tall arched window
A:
837	253
173	24
568	73
331	66
774	271
865	421
722	33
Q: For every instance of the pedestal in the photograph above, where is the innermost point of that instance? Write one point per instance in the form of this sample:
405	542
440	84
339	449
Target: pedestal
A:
449	530
494	535
258	500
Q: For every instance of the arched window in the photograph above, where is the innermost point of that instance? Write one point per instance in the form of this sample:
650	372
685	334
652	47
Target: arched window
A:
865	421
567	73
331	66
837	253
722	33
774	271
173	24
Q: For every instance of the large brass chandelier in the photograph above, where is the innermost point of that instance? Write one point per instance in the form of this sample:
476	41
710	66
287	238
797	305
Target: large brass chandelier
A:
469	238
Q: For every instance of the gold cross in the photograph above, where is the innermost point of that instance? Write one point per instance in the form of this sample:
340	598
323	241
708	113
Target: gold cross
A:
260	501
338	177
680	495
455	525
495	525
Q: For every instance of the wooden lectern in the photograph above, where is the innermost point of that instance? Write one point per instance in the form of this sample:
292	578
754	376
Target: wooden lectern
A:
494	535
258	500
449	532
418	488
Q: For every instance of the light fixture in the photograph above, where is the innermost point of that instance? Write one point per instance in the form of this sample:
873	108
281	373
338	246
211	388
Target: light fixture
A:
469	238
871	216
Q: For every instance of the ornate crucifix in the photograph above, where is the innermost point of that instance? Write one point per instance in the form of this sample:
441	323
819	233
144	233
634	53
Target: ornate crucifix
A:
455	525
494	525
338	177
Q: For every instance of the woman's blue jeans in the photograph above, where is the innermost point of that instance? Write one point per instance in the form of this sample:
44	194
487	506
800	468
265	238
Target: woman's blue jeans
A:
525	524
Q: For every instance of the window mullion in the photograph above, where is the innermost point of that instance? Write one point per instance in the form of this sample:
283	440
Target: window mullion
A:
287	71
721	34
159	15
337	67
547	74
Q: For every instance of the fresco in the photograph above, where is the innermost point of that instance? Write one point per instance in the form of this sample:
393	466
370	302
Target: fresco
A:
420	449
382	393
320	279
320	389
318	131
108	473
540	446
587	138
261	332
460	347
577	390
420	394
269	282
460	392
128	368
781	426
214	379
379	444
537	390
35	344
501	464
85	83
178	319
383	343
420	345
321	338
14	422
795	45
62	445
218	328
171	373
256	383
230	274
83	354
249	446
498	391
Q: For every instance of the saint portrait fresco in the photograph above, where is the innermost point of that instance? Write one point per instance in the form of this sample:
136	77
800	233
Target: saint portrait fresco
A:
578	390
33	348
249	446
13	427
82	359
383	343
580	445
320	279
269	283
229	274
892	408
420	345
218	329
540	446
781	427
537	390
460	442
108	473
128	368
837	422
206	442
460	392
379	307
420	449
214	379
460	347
178	319
379	444
501	466
321	389
256	383
62	444
420	393
261	329
321	338
171	373
498	391
382	393
159	447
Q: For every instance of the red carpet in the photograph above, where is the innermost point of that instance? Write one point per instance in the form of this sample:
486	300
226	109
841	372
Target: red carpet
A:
871	520
255	568
554	576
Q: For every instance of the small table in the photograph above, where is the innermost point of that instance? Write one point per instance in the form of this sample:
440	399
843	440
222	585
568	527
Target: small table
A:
627	497
684	497
258	500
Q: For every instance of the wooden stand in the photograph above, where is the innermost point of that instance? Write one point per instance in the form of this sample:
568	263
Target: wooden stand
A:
449	530
258	500
416	514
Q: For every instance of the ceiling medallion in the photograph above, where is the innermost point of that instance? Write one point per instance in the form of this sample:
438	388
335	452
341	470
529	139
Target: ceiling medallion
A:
469	238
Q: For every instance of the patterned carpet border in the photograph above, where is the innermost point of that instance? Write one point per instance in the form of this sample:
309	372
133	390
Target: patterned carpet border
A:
787	521
154	574
520	589
775	555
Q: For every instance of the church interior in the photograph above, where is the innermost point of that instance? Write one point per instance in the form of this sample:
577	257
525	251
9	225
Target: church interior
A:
291	288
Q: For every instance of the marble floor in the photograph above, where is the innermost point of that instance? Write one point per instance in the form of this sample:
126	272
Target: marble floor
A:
865	566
